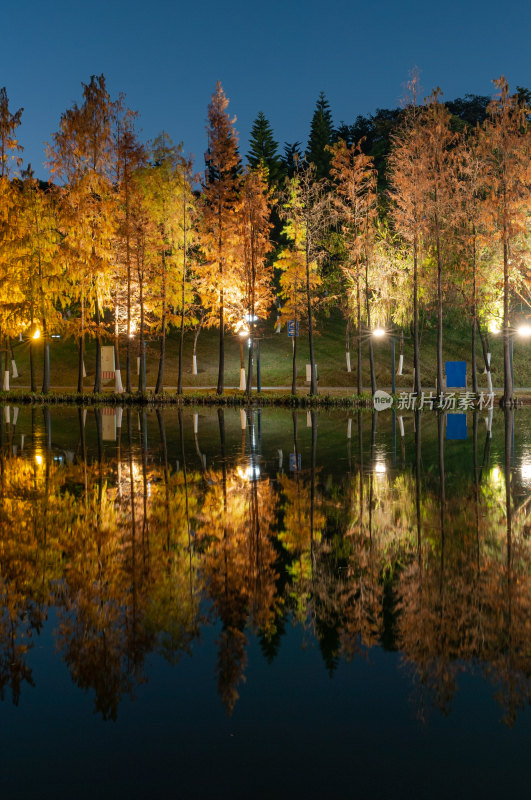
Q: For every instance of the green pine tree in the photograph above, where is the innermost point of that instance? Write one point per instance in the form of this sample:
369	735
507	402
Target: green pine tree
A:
263	150
321	136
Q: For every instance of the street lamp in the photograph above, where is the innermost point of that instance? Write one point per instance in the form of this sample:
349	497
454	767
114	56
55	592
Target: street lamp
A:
379	333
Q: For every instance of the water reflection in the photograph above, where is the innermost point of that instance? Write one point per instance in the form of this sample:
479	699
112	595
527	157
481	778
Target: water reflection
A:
143	528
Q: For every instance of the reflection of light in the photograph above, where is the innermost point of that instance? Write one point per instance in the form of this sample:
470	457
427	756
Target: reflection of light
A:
495	475
380	468
243	332
378	332
524	330
38	459
37	334
251	318
526	472
252	473
493	326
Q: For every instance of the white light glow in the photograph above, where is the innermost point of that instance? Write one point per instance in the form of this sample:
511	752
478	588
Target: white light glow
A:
526	472
493	327
37	334
380	468
524	330
378	333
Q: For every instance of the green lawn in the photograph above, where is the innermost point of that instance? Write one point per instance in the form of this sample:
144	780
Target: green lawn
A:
276	359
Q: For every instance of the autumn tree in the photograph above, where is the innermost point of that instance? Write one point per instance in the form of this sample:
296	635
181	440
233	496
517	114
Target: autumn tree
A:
506	148
256	272
354	201
305	211
82	157
9	150
41	268
437	179
218	234
130	156
407	209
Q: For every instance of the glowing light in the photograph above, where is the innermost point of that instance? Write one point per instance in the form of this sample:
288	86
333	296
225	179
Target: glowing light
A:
243	332
38	459
37	334
495	475
378	333
493	327
380	468
526	472
251	318
524	330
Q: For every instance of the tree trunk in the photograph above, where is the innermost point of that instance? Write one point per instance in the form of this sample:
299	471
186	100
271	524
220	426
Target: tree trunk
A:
33	381
368	312
474	317
160	377
142	367
440	377
358	322
347	345
294	372
416	348
97	377
183	292
313	377
46	358
486	355
507	374
221	364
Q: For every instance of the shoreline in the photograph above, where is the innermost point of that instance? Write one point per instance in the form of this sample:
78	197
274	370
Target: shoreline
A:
328	397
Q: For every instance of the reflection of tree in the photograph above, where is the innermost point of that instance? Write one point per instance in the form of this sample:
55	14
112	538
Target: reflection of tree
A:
234	532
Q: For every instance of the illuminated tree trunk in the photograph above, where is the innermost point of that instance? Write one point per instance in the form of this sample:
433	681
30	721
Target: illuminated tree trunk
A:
160	377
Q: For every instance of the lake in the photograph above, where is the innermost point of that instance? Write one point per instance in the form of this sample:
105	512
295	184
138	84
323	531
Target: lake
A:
206	603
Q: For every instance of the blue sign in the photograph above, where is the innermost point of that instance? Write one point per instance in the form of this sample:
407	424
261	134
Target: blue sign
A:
456	426
294	465
293	327
455	374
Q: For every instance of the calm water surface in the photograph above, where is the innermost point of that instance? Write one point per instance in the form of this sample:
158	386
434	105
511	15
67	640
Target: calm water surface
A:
264	604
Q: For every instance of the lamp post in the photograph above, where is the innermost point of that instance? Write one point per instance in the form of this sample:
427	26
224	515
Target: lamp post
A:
379	333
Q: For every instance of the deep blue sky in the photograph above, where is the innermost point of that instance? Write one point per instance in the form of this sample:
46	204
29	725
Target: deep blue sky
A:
273	56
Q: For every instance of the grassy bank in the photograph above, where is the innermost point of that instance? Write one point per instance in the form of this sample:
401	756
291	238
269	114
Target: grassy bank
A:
276	359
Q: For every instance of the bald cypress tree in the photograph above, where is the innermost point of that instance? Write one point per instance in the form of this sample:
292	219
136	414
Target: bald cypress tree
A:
321	137
263	150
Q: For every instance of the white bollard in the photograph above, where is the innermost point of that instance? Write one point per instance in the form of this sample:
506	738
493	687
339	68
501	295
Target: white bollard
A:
5	385
400	364
118	386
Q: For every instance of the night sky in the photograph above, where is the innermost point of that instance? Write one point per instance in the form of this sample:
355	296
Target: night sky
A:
272	56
